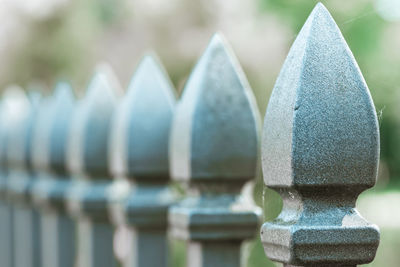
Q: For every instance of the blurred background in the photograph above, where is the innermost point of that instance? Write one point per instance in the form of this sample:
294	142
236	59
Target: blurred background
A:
44	41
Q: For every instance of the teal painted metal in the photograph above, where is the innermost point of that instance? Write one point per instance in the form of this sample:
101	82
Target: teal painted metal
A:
320	150
88	160
142	129
49	158
214	152
6	243
21	179
13	108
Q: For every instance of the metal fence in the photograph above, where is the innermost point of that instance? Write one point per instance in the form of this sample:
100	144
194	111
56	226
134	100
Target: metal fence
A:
87	182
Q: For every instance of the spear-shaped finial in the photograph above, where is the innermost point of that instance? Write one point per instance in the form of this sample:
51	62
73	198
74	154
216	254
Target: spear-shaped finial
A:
64	103
214	149
320	150
49	154
14	108
146	116
215	133
141	134
27	225
100	102
88	158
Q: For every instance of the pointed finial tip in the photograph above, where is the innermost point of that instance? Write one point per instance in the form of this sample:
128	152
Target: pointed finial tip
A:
34	96
218	39
147	70
218	45
105	71
149	60
63	91
149	55
104	79
97	82
62	87
321	21
320	9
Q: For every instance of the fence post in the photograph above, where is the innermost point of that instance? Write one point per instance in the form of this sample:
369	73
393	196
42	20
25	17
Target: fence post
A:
38	159
20	182
12	107
88	151
49	158
5	210
143	127
214	151
320	150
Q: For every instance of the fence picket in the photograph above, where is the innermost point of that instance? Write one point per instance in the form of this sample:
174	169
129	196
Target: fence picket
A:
143	134
21	179
49	158
214	151
12	107
320	150
88	150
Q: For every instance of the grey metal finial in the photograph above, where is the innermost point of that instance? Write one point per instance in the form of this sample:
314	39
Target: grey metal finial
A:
214	148
216	132
16	108
320	150
148	107
20	140
63	99
100	102
88	159
142	132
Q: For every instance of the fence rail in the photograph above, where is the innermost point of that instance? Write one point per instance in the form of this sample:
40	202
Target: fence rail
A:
87	182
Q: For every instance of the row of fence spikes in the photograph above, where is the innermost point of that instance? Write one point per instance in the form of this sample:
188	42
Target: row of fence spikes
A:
320	150
76	146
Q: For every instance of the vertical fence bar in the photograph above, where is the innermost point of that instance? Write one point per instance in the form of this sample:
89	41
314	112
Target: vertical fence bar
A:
89	155
49	156
39	157
214	150
143	134
21	180
5	210
12	111
320	150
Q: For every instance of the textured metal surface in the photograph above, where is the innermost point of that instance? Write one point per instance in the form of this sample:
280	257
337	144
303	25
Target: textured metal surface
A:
88	160
320	150
216	120
140	153
214	150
